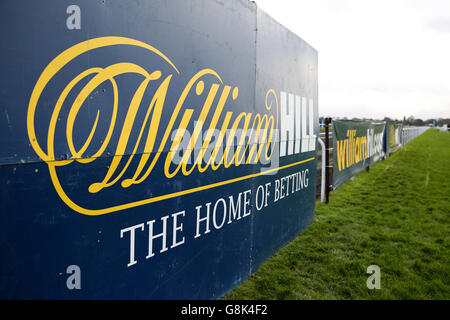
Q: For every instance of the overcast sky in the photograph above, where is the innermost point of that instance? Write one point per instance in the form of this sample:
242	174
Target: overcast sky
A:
376	57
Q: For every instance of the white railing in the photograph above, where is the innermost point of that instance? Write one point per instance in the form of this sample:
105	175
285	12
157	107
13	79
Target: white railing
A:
409	133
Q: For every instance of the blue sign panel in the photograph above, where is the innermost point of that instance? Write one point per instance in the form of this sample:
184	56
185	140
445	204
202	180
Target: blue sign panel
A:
150	150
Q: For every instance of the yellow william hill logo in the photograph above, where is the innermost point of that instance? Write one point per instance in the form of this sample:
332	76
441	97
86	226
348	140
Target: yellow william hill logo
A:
356	149
258	131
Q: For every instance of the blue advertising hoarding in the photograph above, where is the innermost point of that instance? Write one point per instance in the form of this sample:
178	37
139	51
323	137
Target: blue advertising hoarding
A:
150	150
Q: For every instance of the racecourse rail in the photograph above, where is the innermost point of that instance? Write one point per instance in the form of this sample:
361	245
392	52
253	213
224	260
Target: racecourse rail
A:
407	134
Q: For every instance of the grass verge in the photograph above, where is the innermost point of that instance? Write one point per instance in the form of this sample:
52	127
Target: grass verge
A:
396	216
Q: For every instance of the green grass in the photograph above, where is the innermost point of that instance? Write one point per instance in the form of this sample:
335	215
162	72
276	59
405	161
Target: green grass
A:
393	216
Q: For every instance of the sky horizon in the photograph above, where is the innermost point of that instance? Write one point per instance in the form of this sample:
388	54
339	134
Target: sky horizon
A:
376	58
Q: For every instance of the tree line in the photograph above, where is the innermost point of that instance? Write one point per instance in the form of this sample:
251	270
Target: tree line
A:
406	121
